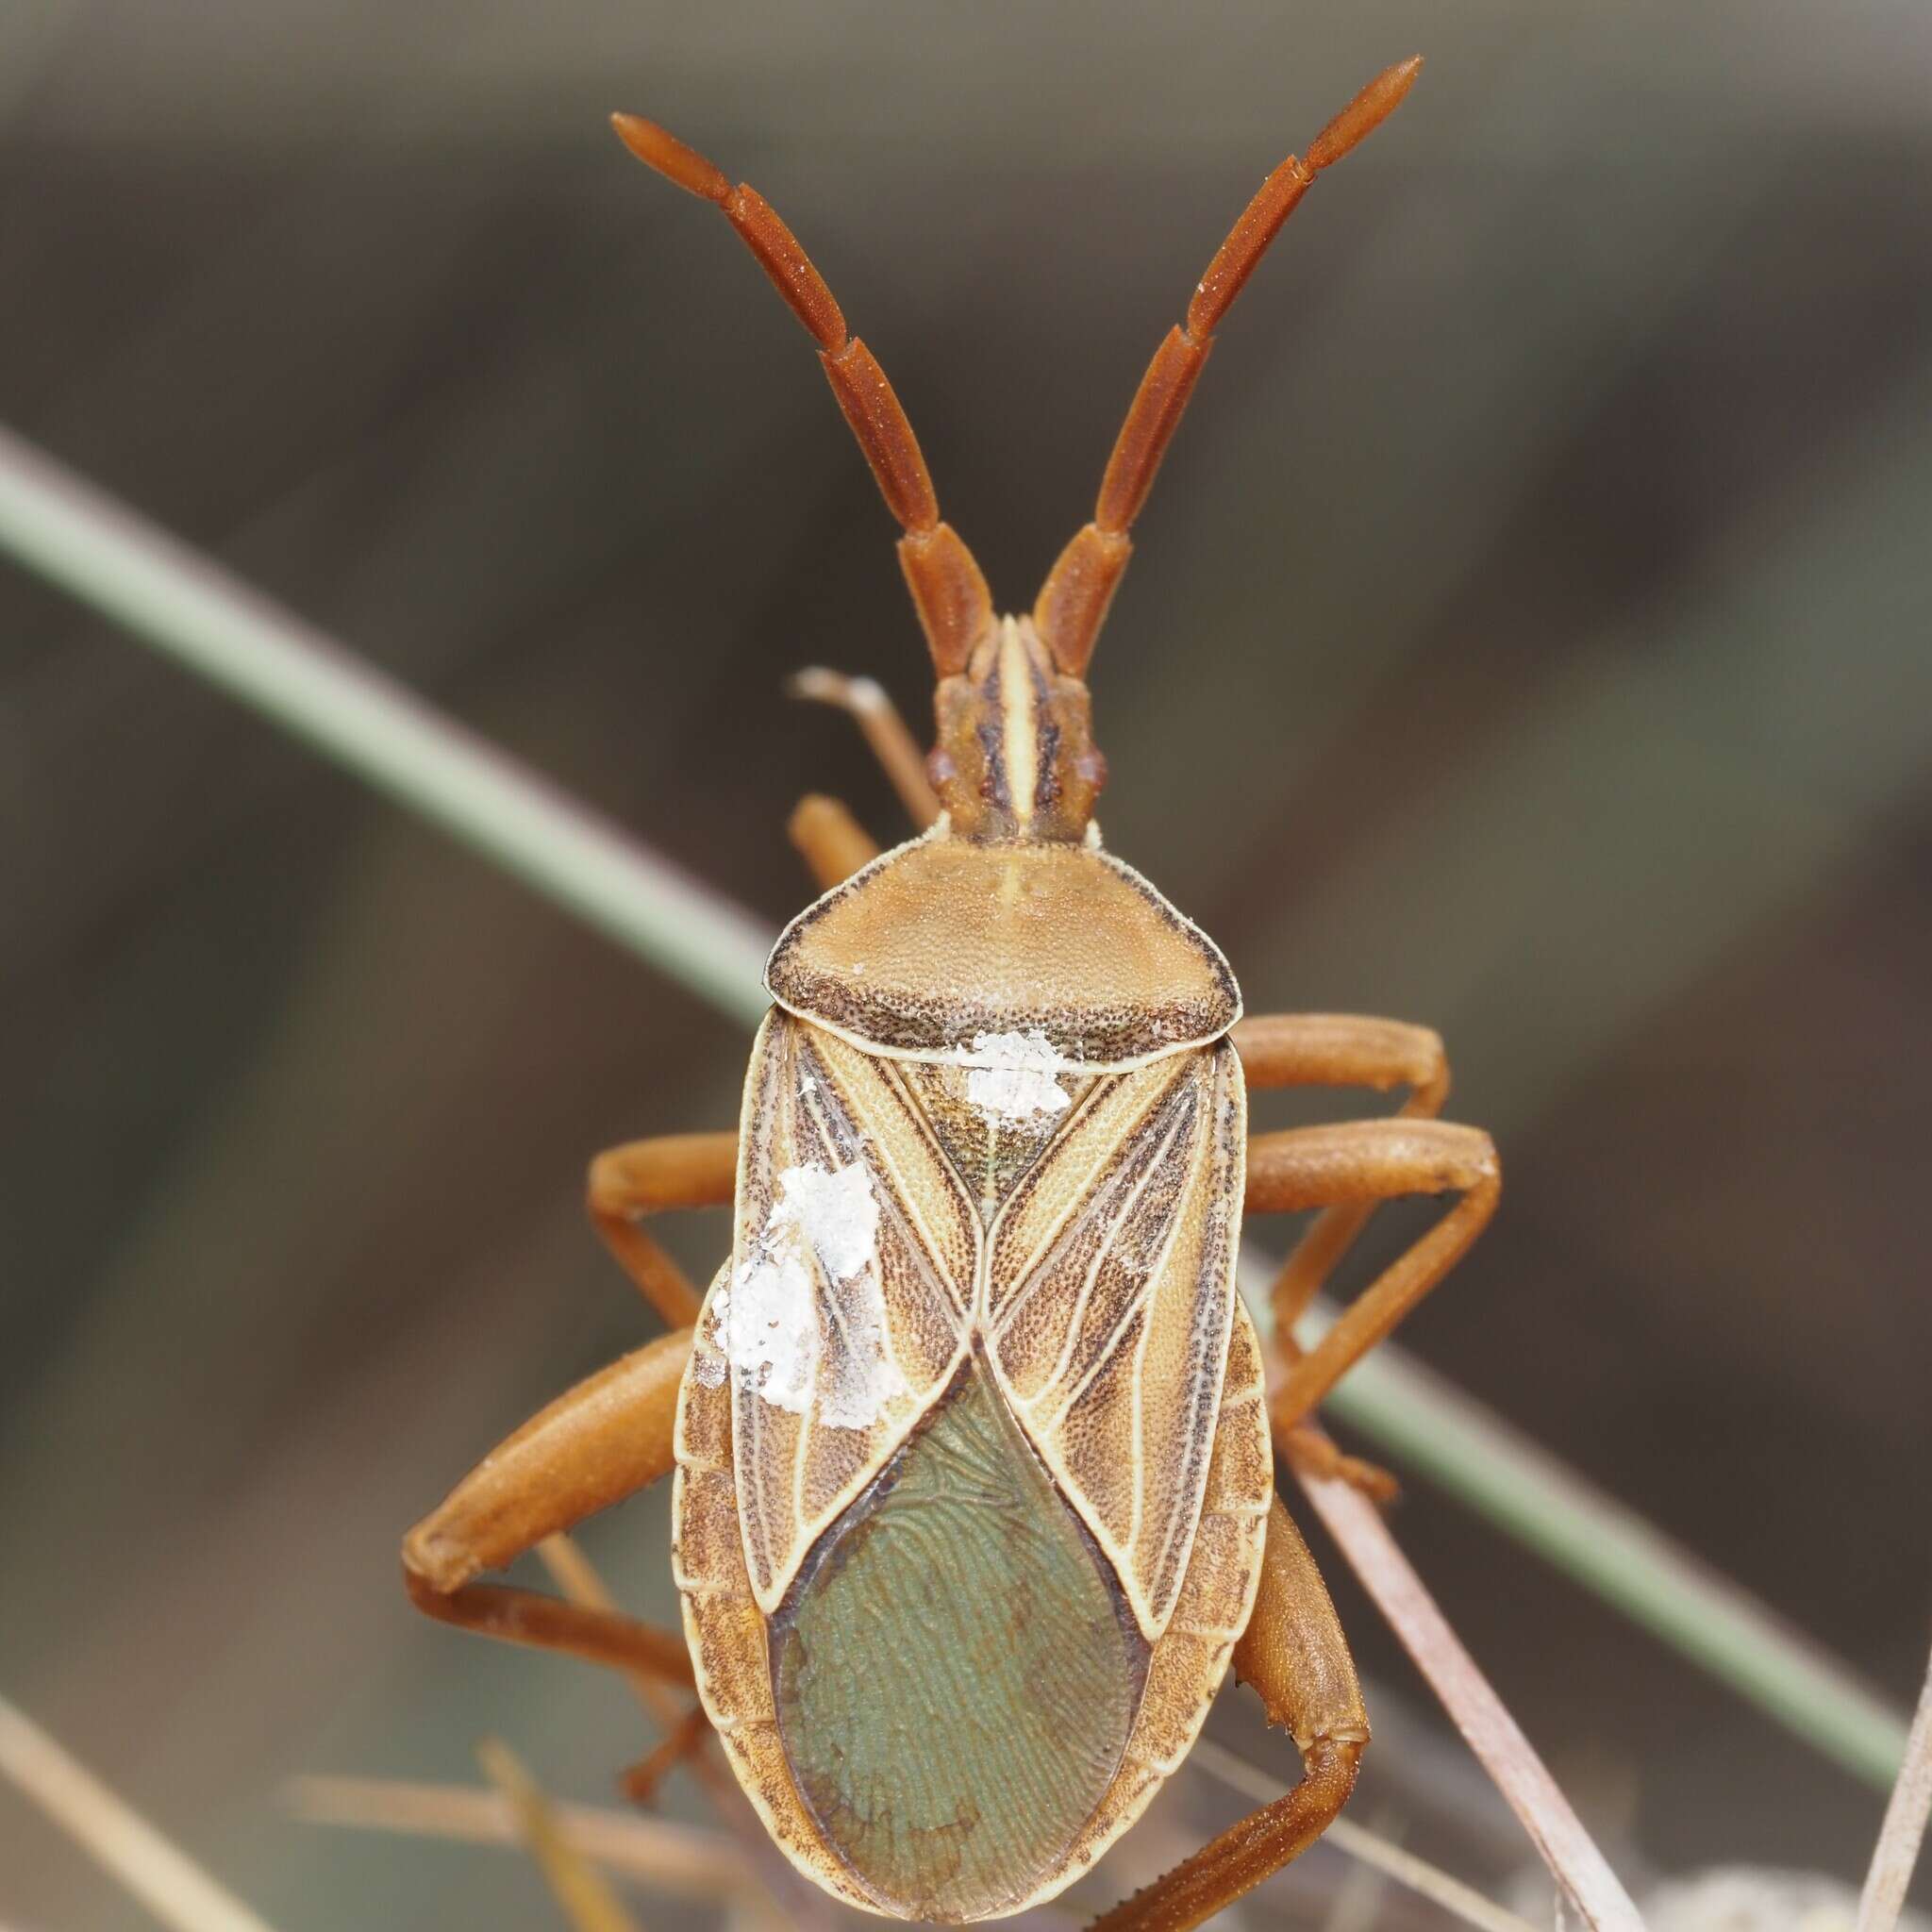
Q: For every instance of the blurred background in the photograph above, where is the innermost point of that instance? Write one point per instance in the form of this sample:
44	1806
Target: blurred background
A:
1528	636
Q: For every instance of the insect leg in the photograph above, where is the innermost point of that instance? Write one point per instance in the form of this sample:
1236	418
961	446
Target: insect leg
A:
832	842
640	1784
645	1177
889	737
1368	1162
609	1436
1293	1652
1337	1050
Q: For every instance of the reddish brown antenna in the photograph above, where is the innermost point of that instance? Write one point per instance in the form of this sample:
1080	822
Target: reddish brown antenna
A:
948	591
1074	600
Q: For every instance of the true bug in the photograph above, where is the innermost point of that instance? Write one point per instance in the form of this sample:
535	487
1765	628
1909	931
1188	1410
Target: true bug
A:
973	1488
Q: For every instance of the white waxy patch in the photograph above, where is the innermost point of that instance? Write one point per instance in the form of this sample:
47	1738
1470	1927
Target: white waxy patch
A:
836	1213
768	1327
767	1322
1014	1076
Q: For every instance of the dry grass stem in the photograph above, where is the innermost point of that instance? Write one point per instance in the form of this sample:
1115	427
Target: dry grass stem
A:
1903	1830
1427	1424
1492	1468
150	1866
586	1901
1359	1899
681	1859
576	1577
1477	1711
1369	1847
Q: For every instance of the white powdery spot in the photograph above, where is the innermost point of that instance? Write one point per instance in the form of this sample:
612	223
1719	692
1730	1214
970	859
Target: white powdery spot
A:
1013	1075
766	1326
867	1379
835	1212
767	1322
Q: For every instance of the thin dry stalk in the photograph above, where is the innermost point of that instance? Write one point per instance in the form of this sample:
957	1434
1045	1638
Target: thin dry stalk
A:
1903	1830
155	1870
1473	1454
1368	1847
576	1577
1359	1899
681	1859
578	1886
1477	1712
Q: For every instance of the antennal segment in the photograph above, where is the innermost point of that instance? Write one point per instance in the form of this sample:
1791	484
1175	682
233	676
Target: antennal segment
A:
1073	601
950	594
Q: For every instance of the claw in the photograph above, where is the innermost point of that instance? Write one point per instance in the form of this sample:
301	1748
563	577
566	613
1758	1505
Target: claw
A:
1309	1452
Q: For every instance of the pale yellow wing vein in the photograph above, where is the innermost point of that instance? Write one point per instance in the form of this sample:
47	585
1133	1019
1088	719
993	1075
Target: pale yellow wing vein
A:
1103	1252
1031	1273
1103	1356
1094	1413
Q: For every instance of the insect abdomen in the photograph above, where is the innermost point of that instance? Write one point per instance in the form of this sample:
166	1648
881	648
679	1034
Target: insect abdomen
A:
955	1669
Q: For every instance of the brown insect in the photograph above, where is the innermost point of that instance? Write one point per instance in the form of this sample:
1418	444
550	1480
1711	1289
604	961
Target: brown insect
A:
972	1438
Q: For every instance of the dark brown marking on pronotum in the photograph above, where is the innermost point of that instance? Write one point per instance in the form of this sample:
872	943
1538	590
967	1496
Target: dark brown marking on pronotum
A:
944	941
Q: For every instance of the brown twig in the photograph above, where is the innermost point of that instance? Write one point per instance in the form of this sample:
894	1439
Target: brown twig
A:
576	1577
